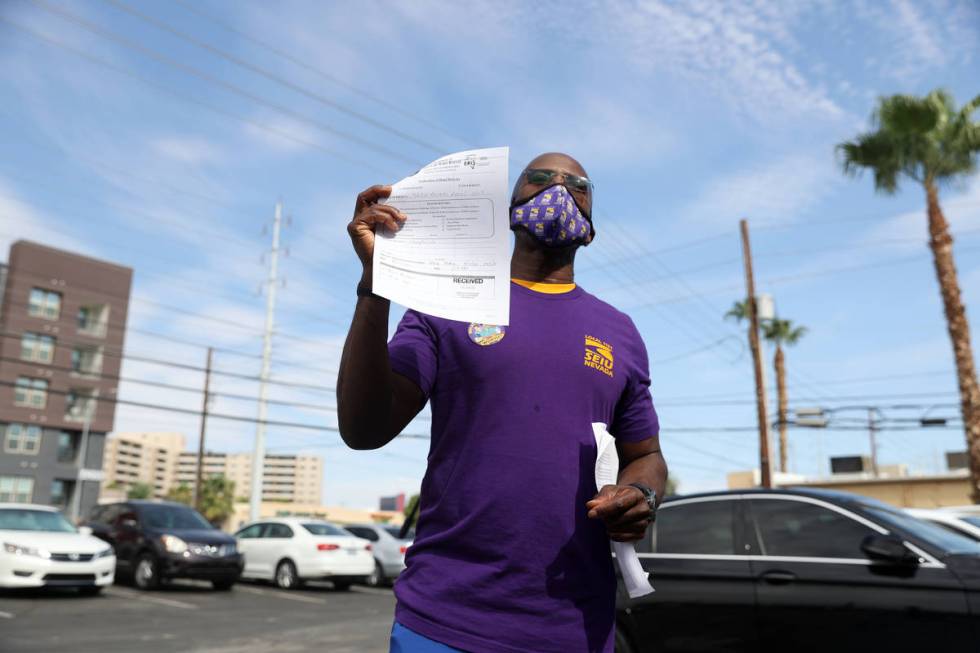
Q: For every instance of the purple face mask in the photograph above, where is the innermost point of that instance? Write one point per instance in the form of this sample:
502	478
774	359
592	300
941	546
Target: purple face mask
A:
553	217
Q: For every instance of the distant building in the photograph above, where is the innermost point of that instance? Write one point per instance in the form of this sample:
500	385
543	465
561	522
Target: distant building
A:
336	514
396	502
159	459
892	484
62	328
150	458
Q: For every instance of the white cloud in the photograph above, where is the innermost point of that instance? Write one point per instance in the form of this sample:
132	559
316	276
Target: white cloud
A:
187	150
775	192
19	220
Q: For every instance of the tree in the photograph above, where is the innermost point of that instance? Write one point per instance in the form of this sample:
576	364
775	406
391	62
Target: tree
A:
182	493
139	491
411	511
781	332
671	487
217	497
926	140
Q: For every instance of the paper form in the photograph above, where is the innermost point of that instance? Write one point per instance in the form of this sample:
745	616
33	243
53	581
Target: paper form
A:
451	258
607	473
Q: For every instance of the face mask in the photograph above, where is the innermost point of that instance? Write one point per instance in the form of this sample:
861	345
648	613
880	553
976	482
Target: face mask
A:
553	217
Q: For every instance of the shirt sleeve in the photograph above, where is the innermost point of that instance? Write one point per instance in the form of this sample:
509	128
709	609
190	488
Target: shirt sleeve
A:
635	417
412	351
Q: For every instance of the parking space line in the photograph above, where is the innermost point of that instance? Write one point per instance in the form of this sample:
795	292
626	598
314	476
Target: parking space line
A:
371	590
173	603
282	594
6	615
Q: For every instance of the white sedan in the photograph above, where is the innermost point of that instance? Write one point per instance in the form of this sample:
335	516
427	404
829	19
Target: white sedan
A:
291	550
964	520
40	548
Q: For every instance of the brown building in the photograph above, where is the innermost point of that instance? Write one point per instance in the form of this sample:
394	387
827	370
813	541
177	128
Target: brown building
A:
62	326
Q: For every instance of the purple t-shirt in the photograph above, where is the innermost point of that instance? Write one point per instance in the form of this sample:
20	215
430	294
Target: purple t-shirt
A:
505	559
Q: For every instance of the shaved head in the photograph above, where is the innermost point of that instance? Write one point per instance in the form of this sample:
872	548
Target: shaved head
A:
559	162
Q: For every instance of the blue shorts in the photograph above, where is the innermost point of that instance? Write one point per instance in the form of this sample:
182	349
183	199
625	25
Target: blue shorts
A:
404	640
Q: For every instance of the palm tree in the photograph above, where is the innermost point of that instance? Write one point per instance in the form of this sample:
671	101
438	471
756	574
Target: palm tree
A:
927	140
782	332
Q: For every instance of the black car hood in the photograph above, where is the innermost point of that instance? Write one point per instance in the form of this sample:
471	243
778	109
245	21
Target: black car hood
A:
966	567
199	535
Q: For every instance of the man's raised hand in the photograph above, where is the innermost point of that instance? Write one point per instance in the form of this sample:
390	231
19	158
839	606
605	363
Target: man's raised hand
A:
368	214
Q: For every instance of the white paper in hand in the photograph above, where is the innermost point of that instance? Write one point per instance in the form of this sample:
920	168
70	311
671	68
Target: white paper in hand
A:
606	473
451	258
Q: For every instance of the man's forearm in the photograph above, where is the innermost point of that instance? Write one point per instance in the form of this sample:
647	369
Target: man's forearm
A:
649	469
364	383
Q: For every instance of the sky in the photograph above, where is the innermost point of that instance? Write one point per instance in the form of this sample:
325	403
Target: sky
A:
161	135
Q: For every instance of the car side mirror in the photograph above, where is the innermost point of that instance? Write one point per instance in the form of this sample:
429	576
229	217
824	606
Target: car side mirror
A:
888	548
85	530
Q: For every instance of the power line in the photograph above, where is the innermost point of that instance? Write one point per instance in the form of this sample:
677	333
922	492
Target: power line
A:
317	71
247	121
197	412
217	81
227	56
184	366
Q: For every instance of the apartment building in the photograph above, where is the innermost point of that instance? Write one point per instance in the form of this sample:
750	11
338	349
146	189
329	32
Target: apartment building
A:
150	458
62	328
290	479
159	459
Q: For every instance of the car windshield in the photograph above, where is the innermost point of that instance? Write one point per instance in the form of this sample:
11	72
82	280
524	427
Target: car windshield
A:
173	517
18	519
937	536
325	529
972	520
396	531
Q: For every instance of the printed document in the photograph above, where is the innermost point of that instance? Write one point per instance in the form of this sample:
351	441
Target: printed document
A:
607	473
451	258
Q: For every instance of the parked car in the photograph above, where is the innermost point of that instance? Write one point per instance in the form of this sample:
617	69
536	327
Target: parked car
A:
964	520
800	570
156	541
40	548
290	551
389	550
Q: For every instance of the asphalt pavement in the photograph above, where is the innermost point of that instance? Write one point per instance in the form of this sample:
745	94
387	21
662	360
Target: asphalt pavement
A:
188	616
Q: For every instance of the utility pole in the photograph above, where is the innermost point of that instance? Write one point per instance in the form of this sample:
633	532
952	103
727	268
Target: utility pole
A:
872	432
759	368
258	455
198	492
76	499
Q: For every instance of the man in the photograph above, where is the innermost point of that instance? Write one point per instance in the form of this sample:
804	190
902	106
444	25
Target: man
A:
511	552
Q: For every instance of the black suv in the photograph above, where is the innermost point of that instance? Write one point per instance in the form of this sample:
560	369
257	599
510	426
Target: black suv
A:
801	570
155	541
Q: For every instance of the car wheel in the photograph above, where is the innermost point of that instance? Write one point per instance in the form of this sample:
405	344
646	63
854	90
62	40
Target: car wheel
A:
286	576
341	585
94	590
146	575
377	577
222	585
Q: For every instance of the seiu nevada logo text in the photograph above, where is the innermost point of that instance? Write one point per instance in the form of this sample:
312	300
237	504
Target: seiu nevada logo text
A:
598	355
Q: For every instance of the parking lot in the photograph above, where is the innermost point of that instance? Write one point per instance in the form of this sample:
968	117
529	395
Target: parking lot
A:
188	616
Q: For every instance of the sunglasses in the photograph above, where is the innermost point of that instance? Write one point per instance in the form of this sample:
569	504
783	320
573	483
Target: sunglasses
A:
541	177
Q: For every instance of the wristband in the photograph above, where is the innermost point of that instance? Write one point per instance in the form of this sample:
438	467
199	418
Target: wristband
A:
365	291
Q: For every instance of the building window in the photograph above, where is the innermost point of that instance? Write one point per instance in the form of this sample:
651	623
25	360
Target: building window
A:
44	303
86	360
60	491
66	447
32	393
16	489
80	404
93	320
22	438
36	347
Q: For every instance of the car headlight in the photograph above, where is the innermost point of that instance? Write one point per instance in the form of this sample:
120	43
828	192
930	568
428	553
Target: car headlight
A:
105	553
17	549
173	544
